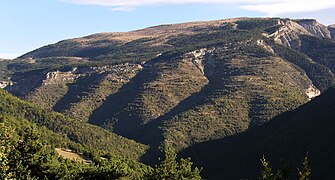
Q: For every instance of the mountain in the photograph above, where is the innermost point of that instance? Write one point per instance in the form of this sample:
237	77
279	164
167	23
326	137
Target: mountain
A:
286	138
184	83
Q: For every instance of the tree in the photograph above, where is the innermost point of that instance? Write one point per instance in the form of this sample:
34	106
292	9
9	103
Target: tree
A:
305	170
267	173
5	149
284	172
29	155
170	169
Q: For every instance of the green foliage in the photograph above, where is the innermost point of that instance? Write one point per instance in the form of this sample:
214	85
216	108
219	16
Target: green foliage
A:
28	158
89	136
4	71
267	173
170	169
305	170
82	110
320	75
5	149
284	172
250	24
321	50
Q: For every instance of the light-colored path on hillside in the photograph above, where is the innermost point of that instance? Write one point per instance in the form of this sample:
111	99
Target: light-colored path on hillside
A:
71	155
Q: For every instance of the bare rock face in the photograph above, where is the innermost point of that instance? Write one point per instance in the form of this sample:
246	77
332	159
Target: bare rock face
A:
312	92
288	33
4	84
315	28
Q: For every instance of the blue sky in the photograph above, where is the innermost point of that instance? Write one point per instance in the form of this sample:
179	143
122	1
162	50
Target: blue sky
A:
29	24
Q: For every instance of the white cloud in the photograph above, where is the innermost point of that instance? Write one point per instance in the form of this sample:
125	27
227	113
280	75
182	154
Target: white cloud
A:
270	7
290	7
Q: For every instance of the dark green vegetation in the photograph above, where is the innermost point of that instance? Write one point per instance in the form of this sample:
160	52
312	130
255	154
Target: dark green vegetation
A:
284	139
186	83
64	132
24	156
4	72
285	171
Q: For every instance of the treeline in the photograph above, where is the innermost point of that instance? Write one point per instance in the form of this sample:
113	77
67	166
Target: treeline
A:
285	171
25	156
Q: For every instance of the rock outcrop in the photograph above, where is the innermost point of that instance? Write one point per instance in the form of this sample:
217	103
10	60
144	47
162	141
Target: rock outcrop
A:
312	92
288	33
314	27
56	77
4	84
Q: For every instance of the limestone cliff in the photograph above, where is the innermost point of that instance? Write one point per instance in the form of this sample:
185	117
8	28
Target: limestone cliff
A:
288	33
314	27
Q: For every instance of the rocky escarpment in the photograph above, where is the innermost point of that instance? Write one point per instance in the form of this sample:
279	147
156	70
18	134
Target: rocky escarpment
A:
57	77
289	32
314	27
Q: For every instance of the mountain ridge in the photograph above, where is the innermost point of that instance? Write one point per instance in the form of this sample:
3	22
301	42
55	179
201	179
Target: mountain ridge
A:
186	83
175	29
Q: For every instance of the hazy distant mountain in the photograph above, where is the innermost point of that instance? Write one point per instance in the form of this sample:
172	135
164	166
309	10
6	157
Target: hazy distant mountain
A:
287	138
186	83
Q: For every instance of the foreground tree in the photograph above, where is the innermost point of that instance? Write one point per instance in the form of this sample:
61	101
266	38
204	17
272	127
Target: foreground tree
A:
305	171
5	149
284	172
170	169
24	156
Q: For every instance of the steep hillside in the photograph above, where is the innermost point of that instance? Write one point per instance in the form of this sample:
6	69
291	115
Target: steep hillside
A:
4	72
287	138
331	29
186	83
91	137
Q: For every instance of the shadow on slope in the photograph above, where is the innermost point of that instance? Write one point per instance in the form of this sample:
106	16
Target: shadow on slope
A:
309	128
115	103
82	87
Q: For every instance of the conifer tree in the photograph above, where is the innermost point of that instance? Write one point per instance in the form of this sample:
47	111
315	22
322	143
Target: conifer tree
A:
305	170
5	149
267	173
170	169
